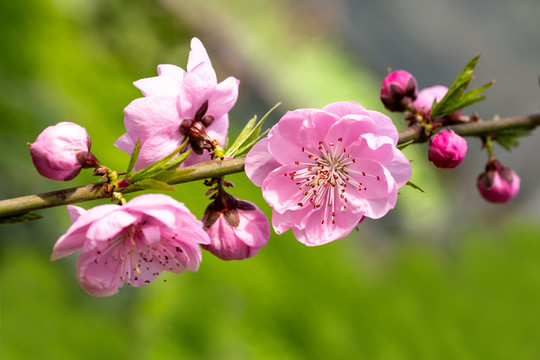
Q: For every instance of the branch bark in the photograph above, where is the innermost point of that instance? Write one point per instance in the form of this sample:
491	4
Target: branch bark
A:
217	168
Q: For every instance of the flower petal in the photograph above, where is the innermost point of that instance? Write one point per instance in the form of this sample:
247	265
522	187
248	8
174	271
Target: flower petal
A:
283	139
259	162
197	54
158	86
280	191
198	86
223	98
145	116
160	144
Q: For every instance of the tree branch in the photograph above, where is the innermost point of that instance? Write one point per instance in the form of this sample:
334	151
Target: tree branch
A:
217	168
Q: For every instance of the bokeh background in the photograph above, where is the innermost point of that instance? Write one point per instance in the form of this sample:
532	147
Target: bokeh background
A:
443	276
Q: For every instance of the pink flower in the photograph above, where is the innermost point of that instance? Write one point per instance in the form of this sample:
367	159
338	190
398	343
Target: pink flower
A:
174	98
426	97
447	149
398	90
132	243
498	184
61	151
322	171
237	228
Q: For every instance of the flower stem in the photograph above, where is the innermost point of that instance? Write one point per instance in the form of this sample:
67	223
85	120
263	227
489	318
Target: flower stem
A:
218	168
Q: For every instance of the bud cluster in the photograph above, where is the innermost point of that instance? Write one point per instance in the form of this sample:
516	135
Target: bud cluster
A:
446	148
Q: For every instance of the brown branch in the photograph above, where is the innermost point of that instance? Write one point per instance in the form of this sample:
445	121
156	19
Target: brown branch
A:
219	168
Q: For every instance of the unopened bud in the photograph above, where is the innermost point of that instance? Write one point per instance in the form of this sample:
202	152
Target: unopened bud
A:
61	151
447	149
498	184
398	90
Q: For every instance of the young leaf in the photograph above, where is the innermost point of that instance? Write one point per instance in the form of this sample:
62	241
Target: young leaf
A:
134	157
242	146
404	145
510	138
456	98
243	136
414	186
152	184
159	166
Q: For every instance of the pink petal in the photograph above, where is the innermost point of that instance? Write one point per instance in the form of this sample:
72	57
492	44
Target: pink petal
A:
384	124
372	176
75	212
145	116
199	84
283	139
197	54
223	98
400	168
316	233
160	144
110	225
100	278
125	143
259	162
171	71
75	236
344	108
280	191
254	228
376	148
158	86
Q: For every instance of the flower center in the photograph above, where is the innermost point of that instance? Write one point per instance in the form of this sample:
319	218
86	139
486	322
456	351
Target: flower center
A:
324	178
137	257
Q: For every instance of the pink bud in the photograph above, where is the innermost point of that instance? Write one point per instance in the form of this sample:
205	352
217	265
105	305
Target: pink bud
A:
60	151
447	149
237	229
498	184
425	98
398	90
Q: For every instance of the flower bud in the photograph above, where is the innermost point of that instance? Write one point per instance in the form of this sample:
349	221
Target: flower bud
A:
498	184
426	97
398	90
237	228
61	151
447	149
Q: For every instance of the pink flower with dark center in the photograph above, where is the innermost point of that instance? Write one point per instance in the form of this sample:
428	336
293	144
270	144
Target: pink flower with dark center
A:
447	149
237	228
61	151
322	171
498	184
174	102
131	244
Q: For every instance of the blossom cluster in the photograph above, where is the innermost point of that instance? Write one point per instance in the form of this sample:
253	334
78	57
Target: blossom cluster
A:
322	172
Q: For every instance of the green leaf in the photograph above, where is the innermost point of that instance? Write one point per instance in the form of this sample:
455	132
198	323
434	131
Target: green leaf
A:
134	157
509	138
456	98
172	175
414	186
247	139
15	219
153	184
404	145
160	165
243	136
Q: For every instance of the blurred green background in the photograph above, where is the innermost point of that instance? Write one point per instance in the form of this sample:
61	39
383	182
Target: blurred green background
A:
443	276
